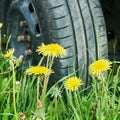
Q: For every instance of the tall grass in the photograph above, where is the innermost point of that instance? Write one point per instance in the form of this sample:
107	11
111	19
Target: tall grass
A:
18	96
101	103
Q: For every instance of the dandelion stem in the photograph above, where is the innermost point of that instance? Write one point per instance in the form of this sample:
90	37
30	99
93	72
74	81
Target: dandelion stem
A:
38	82
0	41
78	104
46	79
14	92
44	89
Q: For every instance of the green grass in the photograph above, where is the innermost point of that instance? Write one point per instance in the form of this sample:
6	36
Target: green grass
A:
101	103
18	96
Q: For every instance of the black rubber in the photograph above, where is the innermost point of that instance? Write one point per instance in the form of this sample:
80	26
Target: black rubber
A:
77	25
4	5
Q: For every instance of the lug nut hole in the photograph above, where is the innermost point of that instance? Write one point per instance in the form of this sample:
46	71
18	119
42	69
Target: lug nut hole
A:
38	28
31	9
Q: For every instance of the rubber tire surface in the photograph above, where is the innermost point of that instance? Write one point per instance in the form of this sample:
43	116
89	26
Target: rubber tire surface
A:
77	25
4	5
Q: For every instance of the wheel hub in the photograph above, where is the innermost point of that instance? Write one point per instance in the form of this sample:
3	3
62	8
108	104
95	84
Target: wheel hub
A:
24	29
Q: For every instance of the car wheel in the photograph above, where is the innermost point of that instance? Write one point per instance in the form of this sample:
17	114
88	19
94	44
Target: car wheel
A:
77	25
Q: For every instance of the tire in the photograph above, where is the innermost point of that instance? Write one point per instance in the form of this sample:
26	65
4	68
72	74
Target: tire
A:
4	5
77	25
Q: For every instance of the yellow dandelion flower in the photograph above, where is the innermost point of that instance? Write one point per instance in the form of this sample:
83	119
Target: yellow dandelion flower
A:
54	50
9	53
38	70
99	66
1	24
72	83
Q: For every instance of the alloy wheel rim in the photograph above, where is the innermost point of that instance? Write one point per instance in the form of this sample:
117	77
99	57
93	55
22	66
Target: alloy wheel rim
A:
24	29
